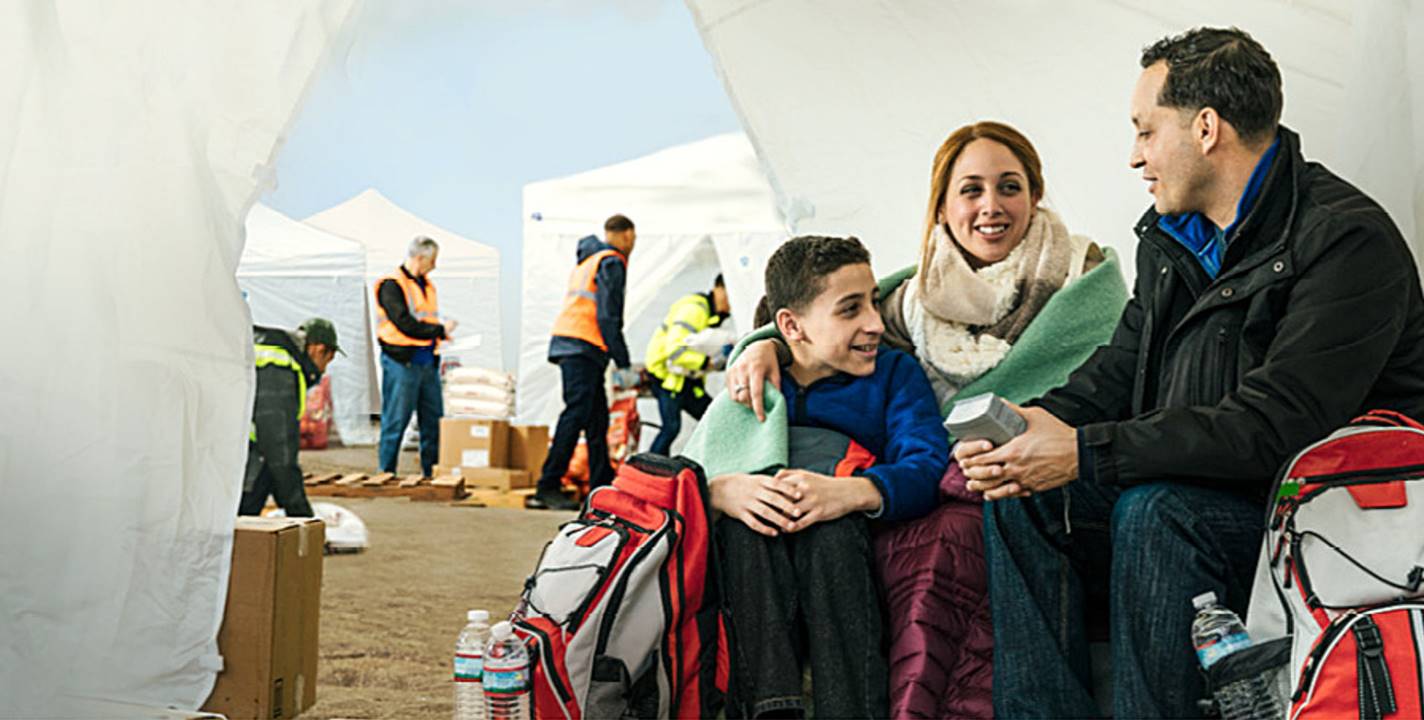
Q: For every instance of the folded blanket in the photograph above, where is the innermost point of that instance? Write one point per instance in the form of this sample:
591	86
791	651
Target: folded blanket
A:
729	439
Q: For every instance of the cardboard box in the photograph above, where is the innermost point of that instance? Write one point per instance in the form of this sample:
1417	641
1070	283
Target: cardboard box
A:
497	478
528	446
471	442
268	638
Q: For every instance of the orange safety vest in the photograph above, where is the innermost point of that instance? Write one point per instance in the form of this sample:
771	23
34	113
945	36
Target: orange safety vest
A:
579	318
422	305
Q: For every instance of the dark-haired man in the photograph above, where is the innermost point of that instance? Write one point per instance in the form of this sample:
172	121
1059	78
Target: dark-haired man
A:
587	333
677	367
1274	301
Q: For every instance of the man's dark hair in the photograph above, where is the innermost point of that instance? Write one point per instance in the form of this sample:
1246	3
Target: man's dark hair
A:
617	223
718	282
1224	69
796	272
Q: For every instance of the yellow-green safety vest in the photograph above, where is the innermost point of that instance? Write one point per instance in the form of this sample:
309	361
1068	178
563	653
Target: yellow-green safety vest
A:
277	356
668	357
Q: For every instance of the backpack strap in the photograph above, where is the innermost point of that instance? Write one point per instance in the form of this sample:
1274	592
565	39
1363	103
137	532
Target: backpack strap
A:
1375	689
1387	418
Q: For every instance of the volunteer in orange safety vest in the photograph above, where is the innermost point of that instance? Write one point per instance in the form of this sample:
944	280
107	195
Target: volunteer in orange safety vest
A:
587	334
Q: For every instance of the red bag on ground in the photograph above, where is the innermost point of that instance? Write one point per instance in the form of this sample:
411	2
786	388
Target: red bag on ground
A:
315	425
621	614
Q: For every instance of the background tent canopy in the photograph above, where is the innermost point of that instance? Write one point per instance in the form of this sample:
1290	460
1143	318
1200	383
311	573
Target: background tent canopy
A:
466	276
848	105
291	271
700	208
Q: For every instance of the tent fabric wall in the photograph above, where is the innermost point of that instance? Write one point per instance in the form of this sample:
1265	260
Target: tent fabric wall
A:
290	272
133	138
466	276
848	105
700	208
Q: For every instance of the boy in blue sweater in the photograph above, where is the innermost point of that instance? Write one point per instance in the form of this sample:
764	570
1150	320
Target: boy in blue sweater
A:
796	546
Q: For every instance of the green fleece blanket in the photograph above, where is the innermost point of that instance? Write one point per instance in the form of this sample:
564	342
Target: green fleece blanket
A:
1076	320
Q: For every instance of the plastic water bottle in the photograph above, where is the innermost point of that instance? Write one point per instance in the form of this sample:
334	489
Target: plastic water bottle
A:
506	680
469	667
1216	631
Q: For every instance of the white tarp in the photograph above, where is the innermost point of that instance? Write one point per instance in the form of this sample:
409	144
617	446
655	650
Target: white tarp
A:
290	272
466	277
700	208
133	137
847	100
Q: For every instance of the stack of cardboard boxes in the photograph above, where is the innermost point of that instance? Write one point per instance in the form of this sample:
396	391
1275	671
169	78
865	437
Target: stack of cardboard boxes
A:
492	453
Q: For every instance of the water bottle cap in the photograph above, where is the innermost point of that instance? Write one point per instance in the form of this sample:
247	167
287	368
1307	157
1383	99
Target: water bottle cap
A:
501	630
477	616
1203	600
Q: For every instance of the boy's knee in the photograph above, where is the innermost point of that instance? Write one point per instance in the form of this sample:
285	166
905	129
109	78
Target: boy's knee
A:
844	535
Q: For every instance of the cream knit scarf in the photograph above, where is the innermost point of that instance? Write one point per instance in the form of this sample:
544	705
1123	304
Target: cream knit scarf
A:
964	321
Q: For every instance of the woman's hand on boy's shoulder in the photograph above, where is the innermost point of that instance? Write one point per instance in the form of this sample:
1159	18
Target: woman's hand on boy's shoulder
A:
763	503
822	498
747	377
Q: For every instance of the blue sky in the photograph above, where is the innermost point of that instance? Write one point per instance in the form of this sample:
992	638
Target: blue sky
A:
449	107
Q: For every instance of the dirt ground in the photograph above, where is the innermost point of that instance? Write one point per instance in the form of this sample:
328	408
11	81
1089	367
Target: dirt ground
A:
389	616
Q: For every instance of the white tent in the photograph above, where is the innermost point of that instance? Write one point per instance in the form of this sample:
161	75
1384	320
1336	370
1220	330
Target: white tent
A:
291	271
846	101
466	276
133	138
700	208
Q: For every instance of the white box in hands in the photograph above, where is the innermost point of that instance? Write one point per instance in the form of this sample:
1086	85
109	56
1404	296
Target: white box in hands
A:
984	417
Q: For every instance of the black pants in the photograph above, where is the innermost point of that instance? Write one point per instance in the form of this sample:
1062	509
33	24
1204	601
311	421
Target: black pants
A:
585	411
810	593
691	399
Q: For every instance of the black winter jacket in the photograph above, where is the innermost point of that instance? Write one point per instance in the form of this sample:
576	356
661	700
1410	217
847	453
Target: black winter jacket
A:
1316	316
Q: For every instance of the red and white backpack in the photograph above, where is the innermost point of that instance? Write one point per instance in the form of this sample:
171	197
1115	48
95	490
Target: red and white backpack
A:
1342	571
622	614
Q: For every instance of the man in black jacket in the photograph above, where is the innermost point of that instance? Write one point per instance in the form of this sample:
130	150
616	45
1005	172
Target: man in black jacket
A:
1273	303
587	334
287	364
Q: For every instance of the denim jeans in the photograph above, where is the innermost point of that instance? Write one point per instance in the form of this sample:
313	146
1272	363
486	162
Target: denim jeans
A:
585	411
671	406
406	389
1149	550
806	593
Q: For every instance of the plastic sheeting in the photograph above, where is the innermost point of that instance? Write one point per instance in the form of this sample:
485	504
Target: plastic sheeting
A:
466	275
700	209
290	272
133	138
847	100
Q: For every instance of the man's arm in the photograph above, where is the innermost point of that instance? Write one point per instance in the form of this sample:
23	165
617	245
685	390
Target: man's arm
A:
393	302
609	298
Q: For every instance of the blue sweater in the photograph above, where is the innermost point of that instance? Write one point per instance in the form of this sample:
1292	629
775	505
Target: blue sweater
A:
892	414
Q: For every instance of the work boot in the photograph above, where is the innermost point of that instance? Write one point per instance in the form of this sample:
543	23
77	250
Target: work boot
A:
555	500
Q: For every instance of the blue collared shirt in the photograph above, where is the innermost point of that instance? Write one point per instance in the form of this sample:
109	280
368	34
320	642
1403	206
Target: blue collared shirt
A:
1200	236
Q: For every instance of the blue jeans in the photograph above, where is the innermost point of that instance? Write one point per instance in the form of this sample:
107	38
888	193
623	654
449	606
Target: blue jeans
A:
671	405
1148	550
406	389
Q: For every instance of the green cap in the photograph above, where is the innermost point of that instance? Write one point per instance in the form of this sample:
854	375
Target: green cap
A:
320	330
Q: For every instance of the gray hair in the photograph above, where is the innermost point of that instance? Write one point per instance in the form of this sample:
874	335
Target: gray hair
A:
423	246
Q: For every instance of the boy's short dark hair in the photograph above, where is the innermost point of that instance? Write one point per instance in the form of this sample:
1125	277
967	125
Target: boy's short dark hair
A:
1224	69
617	223
796	272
